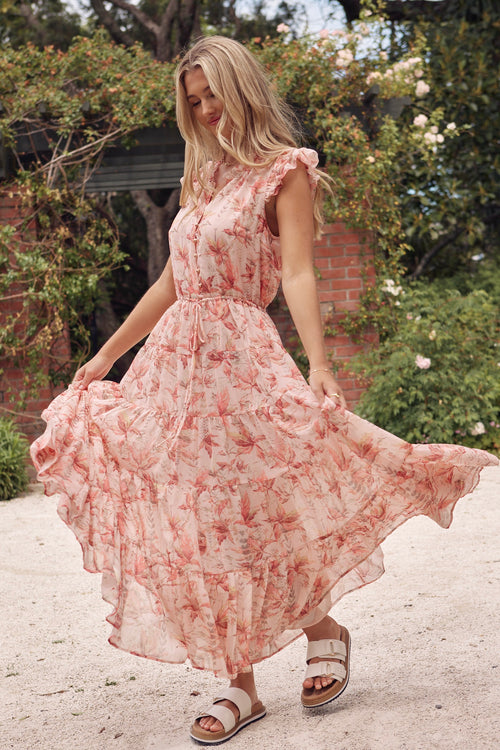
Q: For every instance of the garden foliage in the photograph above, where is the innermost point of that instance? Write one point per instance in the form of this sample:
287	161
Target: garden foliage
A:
13	457
71	106
436	376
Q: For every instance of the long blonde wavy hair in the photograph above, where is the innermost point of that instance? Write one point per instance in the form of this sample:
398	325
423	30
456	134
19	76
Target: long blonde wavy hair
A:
262	125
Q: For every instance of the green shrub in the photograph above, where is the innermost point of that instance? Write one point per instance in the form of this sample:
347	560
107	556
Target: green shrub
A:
13	455
436	376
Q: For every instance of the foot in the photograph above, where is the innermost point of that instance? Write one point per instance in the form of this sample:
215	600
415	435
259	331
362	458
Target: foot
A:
326	628
246	682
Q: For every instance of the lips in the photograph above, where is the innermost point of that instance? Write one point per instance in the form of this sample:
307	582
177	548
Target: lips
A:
214	121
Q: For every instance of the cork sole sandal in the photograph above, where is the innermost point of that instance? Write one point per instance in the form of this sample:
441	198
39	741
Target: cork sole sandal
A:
327	650
248	714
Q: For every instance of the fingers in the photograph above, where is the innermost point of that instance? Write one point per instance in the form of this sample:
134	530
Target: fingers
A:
80	380
78	376
326	385
338	397
94	369
83	378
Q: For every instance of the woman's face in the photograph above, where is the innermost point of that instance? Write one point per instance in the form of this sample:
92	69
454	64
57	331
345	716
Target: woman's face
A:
205	105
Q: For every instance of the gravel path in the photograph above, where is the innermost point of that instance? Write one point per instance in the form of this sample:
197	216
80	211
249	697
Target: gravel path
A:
425	662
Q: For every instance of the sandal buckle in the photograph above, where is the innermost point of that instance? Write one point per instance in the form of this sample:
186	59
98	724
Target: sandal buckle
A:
327	665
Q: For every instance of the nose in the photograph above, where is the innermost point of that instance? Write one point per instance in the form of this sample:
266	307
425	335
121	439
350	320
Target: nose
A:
207	106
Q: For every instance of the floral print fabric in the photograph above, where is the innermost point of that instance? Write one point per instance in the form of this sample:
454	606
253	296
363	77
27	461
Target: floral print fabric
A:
224	507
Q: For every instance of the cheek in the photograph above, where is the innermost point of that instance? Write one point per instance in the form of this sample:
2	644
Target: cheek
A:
197	114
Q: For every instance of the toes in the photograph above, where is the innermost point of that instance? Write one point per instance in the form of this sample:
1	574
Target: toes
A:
210	724
320	682
308	683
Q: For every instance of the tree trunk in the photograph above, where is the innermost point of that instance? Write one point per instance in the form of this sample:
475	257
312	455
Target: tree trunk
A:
107	322
158	221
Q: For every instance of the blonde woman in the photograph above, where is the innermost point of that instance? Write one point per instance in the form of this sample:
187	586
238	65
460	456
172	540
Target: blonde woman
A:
227	502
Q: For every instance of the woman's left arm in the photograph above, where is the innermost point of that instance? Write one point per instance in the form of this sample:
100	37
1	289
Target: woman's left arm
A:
294	213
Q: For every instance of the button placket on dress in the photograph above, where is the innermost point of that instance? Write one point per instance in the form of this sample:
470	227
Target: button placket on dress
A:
196	336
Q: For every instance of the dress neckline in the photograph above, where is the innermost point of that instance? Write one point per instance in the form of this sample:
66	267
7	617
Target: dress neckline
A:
232	170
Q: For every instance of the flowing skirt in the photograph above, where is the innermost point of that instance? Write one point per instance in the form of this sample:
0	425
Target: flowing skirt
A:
224	507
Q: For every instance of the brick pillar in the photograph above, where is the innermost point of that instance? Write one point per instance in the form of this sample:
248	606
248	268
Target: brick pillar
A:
344	262
12	378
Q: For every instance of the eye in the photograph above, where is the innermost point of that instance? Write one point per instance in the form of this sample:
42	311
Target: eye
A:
195	104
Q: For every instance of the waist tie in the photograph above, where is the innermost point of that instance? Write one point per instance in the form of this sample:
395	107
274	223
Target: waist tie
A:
196	338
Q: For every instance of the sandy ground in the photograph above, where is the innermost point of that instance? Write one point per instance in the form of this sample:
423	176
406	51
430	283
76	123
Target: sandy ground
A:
425	662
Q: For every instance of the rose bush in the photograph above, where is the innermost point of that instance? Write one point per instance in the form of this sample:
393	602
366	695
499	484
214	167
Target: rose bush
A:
436	375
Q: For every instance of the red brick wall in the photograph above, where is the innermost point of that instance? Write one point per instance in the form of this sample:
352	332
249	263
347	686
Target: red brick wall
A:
343	261
12	378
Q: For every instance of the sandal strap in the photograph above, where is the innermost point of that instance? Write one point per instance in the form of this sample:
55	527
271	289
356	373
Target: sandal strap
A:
239	697
222	713
241	700
326	669
326	649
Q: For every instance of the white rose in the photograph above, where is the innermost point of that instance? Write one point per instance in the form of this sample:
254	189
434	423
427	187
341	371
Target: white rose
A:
423	363
478	429
373	76
420	120
344	58
451	126
422	88
390	287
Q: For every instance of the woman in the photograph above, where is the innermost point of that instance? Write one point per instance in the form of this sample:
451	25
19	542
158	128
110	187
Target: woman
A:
226	502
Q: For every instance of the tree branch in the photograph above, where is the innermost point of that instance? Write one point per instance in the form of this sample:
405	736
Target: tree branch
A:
164	36
138	14
435	249
110	23
25	10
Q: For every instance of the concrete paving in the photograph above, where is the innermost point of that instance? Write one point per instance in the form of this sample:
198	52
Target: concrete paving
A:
425	660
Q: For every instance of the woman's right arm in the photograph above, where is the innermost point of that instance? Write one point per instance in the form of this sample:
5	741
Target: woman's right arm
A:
139	323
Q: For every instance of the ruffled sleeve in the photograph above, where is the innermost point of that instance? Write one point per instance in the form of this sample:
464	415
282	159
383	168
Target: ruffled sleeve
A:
287	161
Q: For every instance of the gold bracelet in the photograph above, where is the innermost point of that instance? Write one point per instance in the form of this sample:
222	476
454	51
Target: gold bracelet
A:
320	369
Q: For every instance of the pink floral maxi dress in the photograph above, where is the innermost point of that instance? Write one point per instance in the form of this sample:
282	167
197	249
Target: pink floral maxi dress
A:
224	507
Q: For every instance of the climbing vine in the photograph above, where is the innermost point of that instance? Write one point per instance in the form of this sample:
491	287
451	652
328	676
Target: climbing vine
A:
67	108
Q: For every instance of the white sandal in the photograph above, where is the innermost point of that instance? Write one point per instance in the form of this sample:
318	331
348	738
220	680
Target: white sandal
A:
327	649
248	713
